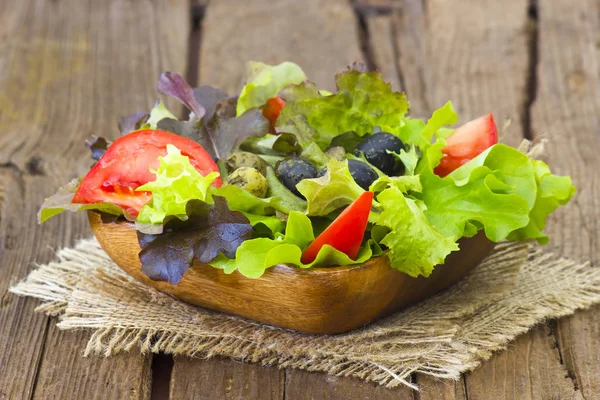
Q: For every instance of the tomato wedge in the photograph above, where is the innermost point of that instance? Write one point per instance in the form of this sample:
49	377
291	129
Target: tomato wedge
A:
272	109
346	232
467	142
126	165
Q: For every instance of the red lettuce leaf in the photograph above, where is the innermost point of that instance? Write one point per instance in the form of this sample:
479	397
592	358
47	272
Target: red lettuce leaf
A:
172	84
132	122
97	145
209	230
222	135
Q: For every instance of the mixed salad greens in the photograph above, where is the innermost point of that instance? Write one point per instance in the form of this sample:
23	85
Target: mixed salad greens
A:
288	173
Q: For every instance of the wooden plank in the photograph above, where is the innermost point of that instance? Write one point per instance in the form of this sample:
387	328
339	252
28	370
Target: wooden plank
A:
452	51
455	51
22	332
567	112
303	385
382	42
529	369
578	339
440	389
221	378
68	69
319	35
65	374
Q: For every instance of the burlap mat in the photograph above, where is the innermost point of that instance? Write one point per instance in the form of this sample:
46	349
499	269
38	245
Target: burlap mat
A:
513	289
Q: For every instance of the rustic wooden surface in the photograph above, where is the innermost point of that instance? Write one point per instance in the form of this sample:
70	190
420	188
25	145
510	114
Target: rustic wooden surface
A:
70	68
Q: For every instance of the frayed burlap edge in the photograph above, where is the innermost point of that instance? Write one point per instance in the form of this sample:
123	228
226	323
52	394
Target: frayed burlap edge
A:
513	289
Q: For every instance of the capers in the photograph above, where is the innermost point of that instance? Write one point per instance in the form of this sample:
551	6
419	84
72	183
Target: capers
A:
246	159
250	180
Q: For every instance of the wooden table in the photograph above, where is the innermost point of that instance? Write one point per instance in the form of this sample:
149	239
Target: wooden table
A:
70	68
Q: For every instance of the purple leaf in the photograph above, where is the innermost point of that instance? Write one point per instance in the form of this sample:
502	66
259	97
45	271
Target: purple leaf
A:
132	122
97	145
224	132
172	84
358	66
209	97
208	231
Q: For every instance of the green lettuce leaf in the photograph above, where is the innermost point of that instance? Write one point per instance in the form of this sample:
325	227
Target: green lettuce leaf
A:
409	158
177	182
415	131
363	101
314	154
159	112
61	201
333	190
499	191
406	183
265	81
476	193
289	201
270	222
242	200
415	246
275	145
254	256
552	191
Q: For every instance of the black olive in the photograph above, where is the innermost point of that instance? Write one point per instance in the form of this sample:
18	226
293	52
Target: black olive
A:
292	170
375	150
361	172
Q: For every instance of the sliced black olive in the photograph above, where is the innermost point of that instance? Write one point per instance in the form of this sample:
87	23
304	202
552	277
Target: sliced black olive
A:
292	170
375	150
361	172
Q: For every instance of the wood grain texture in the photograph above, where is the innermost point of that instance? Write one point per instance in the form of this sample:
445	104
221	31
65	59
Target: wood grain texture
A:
220	378
22	332
381	39
67	375
67	69
455	51
303	385
452	51
440	389
319	35
529	369
567	112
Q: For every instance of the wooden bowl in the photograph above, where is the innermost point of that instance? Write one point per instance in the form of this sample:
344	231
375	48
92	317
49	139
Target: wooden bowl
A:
318	300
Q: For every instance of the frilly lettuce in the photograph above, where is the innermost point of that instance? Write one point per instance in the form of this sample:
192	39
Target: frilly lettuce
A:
265	81
552	191
500	191
362	102
333	190
415	246
255	256
177	182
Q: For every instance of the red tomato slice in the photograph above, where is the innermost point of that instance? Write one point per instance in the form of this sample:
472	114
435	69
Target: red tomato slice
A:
126	164
272	109
346	232
467	142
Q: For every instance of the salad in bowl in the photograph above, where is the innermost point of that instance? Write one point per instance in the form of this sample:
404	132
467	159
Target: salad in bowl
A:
287	173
